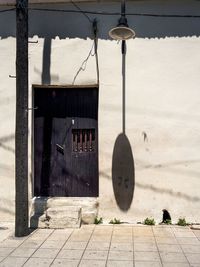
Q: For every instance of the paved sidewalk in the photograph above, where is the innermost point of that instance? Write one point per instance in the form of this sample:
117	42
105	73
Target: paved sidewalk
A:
104	245
6	229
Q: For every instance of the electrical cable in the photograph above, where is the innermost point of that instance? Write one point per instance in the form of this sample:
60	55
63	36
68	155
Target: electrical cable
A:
95	33
6	10
114	13
103	13
82	12
84	63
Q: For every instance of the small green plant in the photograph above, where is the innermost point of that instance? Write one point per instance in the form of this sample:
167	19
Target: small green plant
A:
182	222
98	220
167	221
149	221
115	221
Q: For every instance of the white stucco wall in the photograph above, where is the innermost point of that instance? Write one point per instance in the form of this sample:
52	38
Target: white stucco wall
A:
162	100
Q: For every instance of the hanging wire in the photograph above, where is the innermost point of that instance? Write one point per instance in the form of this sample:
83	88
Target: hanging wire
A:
93	52
84	63
77	7
103	13
114	13
7	10
95	33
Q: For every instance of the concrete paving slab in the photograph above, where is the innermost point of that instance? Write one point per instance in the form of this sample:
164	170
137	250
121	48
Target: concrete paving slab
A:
60	236
166	240
122	231
176	264
65	263
75	245
22	252
70	254
5	251
121	246
100	238
6	230
95	255
125	263
188	240
162	232
145	232
169	248
13	262
191	248
146	256
186	233
98	245
11	243
196	232
48	253
123	239
120	255
144	239
173	257
31	244
193	257
41	238
38	262
145	246
53	244
79	237
147	264
92	263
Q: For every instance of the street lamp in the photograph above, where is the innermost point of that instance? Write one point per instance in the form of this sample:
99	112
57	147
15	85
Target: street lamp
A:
122	31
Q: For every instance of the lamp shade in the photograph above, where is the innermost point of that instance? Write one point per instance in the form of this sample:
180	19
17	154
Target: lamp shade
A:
122	31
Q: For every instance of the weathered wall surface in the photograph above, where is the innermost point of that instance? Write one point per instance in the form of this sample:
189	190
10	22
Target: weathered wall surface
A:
162	100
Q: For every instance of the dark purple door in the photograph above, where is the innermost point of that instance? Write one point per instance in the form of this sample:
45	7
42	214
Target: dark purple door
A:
66	142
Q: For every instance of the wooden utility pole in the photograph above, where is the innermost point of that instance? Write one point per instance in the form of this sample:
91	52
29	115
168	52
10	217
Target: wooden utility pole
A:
21	134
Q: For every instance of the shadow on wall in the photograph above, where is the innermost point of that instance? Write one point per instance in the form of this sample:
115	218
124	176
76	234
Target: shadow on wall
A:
123	172
39	208
72	25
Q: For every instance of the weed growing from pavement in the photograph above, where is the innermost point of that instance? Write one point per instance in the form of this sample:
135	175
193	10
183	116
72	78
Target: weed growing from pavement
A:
98	220
149	221
182	222
115	221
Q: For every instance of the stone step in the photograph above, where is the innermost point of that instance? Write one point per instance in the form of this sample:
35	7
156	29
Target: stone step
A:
58	218
41	206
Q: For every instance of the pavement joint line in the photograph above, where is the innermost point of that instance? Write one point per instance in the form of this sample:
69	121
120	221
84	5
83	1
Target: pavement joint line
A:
180	246
62	247
86	245
16	247
38	247
109	245
157	246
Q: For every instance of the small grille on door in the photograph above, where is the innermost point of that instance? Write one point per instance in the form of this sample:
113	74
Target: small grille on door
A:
83	140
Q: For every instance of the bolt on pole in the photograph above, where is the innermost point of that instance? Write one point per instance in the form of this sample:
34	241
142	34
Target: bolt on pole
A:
21	131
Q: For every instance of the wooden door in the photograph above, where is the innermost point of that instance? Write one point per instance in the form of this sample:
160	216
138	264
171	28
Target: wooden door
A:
66	142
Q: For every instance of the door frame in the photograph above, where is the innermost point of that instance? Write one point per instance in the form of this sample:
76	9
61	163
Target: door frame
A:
46	87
